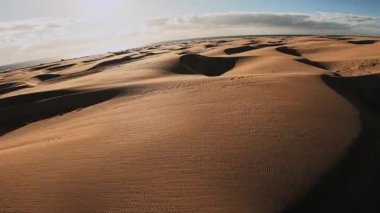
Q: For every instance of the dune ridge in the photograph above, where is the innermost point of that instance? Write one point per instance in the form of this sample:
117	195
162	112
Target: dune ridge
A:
245	124
21	110
11	86
349	187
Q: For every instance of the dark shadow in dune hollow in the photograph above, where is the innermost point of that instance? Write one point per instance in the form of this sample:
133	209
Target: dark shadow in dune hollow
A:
236	50
19	111
42	66
10	87
363	42
60	67
311	63
288	50
353	185
46	77
208	66
336	37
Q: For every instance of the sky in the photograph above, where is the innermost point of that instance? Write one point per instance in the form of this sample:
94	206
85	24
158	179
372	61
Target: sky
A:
35	29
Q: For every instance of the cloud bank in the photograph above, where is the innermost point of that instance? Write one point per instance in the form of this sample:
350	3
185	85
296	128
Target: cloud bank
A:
46	37
287	23
40	38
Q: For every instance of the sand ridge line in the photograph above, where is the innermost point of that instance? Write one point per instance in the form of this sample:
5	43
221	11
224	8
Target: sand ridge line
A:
352	183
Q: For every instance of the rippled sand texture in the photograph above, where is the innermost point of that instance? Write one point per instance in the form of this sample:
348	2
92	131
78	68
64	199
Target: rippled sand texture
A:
258	124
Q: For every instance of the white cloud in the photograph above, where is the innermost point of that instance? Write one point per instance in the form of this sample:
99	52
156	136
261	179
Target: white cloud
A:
287	23
46	37
157	22
32	24
31	30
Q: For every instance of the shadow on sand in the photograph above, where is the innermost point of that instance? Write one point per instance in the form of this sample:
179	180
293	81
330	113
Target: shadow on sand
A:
19	111
353	185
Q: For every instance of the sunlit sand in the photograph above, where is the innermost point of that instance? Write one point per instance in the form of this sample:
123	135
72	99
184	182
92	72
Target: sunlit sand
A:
255	124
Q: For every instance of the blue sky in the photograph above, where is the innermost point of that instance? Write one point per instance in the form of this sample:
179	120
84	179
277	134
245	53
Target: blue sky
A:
63	8
31	29
146	8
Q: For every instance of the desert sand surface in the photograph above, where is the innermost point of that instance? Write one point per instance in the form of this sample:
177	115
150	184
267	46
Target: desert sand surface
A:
246	124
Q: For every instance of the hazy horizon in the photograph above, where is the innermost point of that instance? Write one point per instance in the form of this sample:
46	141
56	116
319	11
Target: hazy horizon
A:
34	29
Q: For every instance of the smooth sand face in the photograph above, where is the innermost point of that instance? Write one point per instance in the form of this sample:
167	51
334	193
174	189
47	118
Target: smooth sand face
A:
234	125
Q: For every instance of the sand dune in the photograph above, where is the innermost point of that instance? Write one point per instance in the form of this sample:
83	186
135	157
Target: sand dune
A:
235	50
11	86
350	186
209	66
288	50
253	124
363	42
46	77
59	67
44	66
21	110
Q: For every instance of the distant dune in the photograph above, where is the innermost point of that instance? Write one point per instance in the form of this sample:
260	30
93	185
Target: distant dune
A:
250	124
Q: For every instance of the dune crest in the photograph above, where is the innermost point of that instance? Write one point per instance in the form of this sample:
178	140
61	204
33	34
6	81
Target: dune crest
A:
245	124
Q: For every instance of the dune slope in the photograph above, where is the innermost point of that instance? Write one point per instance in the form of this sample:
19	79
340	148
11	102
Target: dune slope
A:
261	124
